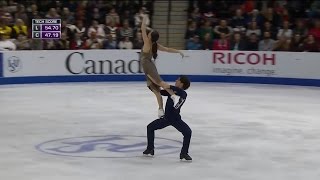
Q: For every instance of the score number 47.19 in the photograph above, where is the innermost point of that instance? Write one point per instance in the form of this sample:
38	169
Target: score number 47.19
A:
50	34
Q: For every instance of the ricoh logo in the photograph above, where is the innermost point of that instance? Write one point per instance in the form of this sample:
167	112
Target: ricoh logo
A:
14	64
76	63
244	58
109	146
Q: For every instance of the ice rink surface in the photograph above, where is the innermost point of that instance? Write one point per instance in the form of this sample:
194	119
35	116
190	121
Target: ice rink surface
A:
96	131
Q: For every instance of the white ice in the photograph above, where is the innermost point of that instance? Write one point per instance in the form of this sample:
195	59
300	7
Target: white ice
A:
240	132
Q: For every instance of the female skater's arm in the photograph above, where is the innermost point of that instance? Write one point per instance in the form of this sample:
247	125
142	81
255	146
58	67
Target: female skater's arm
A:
170	50
144	30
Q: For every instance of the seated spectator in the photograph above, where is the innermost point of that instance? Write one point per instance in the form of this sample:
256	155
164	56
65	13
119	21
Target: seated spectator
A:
138	41
53	14
49	44
126	31
297	8
315	31
97	15
211	17
33	14
314	11
21	13
127	6
194	43
253	28
37	44
223	28
138	17
223	9
94	42
285	16
237	43
285	31
266	44
310	44
256	17
207	42
66	28
248	7
209	6
63	43
272	17
191	30
80	13
5	44
12	7
79	28
300	28
238	22
78	42
110	43
283	44
126	16
98	29
19	28
67	15
296	43
222	43
112	17
267	27
253	43
195	16
125	43
112	30
22	42
207	28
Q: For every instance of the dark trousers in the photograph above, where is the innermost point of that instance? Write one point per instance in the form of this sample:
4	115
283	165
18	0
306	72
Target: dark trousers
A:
178	124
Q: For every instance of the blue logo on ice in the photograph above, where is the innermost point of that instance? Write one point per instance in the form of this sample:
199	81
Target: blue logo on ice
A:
111	146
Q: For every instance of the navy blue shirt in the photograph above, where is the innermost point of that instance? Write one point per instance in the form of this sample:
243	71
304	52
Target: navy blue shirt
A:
173	113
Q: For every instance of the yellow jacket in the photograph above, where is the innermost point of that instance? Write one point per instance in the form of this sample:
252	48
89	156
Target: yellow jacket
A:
21	30
7	31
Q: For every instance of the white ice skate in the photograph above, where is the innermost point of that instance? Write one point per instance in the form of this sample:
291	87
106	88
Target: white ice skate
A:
160	113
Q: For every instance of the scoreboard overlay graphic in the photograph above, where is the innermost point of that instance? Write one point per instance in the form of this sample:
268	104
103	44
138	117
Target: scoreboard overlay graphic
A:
46	28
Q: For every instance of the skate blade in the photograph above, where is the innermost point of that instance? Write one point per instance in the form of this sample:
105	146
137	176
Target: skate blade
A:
185	161
148	155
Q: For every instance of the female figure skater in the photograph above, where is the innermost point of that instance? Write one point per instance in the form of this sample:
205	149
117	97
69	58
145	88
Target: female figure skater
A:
149	51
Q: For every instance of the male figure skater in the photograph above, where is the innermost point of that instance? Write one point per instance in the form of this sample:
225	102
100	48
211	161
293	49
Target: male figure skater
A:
172	117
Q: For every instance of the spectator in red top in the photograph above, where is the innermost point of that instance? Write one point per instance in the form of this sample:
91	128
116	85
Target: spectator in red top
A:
78	42
316	31
310	44
222	43
248	6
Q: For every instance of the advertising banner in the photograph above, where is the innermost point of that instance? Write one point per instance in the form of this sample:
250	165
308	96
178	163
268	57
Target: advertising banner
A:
126	62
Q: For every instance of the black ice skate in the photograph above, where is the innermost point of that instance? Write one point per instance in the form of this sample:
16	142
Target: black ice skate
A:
148	151
186	157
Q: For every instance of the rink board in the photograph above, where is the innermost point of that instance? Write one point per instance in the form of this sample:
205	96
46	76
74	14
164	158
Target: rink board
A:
288	68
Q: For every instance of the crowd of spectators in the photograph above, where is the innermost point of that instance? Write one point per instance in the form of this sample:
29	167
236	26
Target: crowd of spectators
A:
254	25
86	24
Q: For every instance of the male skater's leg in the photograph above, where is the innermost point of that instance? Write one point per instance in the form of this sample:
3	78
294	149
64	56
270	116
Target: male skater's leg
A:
186	132
155	125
